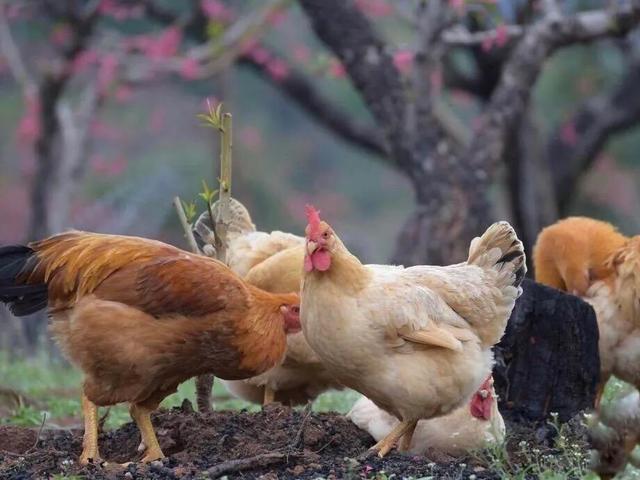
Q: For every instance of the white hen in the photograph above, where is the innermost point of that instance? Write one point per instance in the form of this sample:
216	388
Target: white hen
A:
470	427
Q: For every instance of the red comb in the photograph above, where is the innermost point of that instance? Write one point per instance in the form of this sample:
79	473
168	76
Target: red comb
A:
313	217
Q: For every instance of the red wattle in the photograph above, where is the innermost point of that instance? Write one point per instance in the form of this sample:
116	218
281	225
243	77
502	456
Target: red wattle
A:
321	260
481	408
308	264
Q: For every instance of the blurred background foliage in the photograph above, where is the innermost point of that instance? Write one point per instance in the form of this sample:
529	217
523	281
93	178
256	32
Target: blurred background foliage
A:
147	144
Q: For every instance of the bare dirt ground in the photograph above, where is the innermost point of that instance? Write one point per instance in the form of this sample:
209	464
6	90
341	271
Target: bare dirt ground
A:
277	443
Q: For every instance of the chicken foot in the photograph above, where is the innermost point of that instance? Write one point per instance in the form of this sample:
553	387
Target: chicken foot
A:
405	442
385	445
142	417
269	396
90	450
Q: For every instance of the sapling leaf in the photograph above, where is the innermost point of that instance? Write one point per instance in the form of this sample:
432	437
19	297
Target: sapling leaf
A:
207	194
213	118
189	210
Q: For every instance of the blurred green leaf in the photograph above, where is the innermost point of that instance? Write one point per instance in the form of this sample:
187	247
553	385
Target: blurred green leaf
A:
190	210
207	194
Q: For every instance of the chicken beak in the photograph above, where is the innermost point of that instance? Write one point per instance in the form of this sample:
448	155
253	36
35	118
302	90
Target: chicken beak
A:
311	247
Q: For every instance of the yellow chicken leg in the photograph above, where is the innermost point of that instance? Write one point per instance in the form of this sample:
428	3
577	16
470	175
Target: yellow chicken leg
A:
90	441
142	417
385	445
269	396
405	443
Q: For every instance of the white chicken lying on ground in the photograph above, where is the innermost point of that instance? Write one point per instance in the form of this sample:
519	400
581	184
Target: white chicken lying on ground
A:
416	341
273	262
473	426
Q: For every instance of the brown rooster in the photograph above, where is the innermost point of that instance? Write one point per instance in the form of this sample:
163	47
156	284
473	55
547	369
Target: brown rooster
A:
131	314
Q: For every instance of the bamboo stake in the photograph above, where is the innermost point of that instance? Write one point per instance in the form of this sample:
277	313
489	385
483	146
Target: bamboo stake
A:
223	123
222	222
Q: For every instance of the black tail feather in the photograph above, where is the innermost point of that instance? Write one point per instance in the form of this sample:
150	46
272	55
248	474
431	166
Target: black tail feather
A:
22	299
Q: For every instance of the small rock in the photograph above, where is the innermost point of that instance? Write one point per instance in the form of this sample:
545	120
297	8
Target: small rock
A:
128	475
297	470
180	471
157	464
315	466
268	476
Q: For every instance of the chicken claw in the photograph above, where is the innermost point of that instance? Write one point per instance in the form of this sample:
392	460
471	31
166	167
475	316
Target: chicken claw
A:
90	452
142	417
384	446
405	443
269	395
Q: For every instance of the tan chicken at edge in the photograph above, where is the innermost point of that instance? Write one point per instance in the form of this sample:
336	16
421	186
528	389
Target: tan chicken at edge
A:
416	341
272	262
592	259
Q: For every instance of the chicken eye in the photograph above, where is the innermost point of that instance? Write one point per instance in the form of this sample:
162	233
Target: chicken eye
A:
325	235
296	309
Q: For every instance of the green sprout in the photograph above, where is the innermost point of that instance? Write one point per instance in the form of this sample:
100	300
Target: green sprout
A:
214	117
207	194
189	210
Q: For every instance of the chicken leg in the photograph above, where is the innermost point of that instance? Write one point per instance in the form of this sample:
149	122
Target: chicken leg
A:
385	445
269	396
405	442
90	450
142	417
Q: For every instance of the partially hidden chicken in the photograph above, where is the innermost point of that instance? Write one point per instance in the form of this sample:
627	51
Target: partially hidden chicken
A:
472	426
572	253
614	432
416	341
616	301
139	317
591	259
273	262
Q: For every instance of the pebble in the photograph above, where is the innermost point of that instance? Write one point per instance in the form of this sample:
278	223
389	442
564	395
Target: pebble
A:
298	470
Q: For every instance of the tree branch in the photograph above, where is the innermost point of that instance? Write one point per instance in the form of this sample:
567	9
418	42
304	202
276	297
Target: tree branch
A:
296	85
511	97
352	38
12	54
74	126
460	36
223	53
299	88
594	122
433	18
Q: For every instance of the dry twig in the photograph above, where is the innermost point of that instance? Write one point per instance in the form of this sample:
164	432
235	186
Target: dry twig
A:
261	460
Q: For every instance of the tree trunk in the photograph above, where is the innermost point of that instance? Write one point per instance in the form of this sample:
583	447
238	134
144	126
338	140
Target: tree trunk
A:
436	232
548	359
531	193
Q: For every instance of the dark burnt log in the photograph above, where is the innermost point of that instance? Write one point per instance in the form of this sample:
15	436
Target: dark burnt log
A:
548	359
